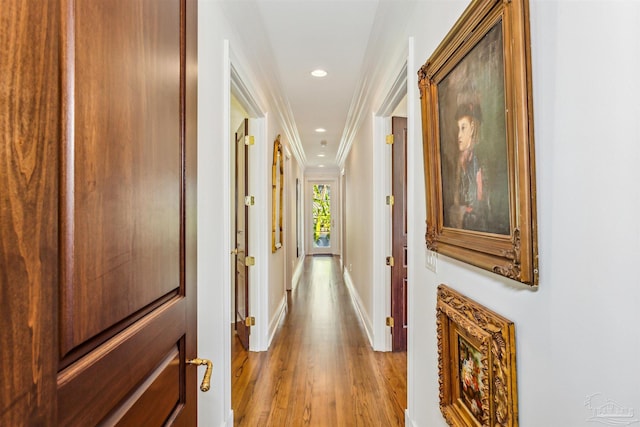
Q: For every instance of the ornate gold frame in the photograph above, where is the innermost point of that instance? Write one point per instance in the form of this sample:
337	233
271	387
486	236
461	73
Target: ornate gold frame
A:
512	253
277	180
458	317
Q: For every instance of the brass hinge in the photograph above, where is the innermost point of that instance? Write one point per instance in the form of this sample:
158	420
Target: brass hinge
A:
389	139
390	322
390	261
250	321
390	200
249	261
249	200
249	140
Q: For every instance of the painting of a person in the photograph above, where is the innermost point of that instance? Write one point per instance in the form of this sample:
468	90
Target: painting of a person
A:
470	205
473	141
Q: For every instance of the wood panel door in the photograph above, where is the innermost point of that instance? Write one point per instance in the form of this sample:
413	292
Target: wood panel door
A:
242	235
98	189
399	234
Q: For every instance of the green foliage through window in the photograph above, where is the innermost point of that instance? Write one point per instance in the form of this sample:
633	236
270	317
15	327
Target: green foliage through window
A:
321	215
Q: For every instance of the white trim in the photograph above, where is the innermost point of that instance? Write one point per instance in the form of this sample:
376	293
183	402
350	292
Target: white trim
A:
412	236
408	422
243	94
396	93
381	217
281	312
359	306
227	239
259	245
381	213
229	421
259	234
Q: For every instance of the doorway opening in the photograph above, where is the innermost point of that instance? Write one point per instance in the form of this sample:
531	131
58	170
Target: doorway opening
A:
322	231
321	212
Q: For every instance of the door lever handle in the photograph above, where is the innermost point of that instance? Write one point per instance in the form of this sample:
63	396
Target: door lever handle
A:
206	380
234	251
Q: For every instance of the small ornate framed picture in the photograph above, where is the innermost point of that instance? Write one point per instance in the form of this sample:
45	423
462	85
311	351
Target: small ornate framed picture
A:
476	363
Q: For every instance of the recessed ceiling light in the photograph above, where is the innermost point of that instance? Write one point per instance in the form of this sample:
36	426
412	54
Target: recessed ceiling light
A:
319	73
320	155
320	166
321	130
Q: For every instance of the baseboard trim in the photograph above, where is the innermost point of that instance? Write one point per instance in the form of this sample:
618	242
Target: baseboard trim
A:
408	422
229	421
275	320
359	306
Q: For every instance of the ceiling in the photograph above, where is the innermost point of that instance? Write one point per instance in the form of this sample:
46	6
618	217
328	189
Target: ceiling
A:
357	42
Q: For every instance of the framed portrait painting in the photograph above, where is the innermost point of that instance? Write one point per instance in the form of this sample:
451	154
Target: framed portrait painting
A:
476	363
478	142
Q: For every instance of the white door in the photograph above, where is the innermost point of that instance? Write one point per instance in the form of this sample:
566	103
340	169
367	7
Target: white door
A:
322	217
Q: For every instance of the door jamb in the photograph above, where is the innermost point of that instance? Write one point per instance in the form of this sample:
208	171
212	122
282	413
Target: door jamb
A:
381	212
259	186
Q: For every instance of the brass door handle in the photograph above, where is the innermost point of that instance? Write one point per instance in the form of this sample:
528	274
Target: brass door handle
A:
234	251
206	381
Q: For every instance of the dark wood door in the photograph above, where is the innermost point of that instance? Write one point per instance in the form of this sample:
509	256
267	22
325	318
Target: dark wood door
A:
399	234
98	186
242	235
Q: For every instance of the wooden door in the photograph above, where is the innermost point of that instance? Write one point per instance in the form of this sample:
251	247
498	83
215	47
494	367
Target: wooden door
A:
98	186
242	235
399	234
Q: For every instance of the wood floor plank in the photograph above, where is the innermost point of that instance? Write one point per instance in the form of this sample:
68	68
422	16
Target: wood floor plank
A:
320	369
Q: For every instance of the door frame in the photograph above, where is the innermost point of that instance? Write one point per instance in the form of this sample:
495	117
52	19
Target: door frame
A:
259	183
212	339
336	201
381	212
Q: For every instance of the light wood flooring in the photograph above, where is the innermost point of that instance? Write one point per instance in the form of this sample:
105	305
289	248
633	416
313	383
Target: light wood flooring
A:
320	369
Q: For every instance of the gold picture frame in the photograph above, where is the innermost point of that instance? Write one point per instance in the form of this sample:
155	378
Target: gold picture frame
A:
476	363
277	180
477	121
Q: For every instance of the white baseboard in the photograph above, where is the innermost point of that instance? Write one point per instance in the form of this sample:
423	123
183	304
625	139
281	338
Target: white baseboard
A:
408	422
275	320
359	306
229	421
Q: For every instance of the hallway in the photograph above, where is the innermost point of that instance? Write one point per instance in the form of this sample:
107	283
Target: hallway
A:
320	369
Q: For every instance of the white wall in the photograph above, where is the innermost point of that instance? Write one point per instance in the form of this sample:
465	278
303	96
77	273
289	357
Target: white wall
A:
577	335
214	212
213	297
293	258
358	256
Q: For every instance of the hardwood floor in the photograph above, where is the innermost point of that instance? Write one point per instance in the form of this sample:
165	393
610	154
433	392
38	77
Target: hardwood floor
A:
320	369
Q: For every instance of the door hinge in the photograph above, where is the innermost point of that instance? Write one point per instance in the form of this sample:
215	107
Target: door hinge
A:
390	200
249	200
250	321
390	322
249	261
390	261
389	139
249	140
